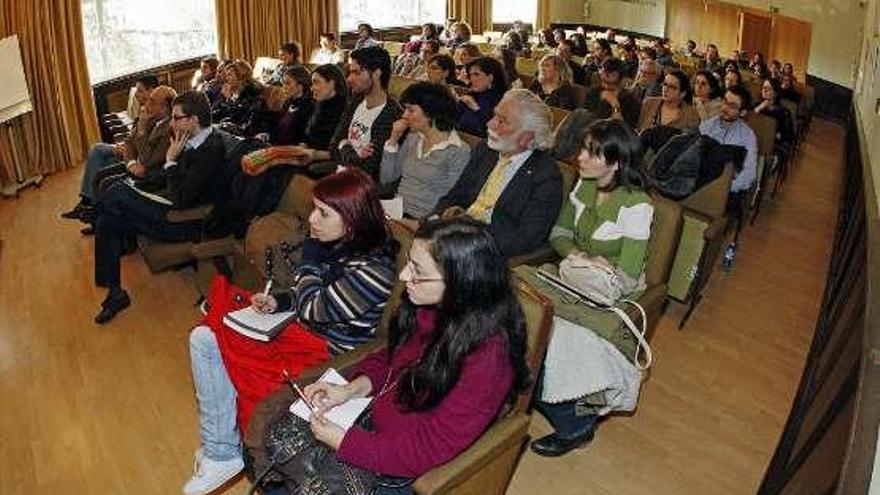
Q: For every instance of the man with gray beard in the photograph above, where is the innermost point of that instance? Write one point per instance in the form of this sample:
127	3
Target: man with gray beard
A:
511	182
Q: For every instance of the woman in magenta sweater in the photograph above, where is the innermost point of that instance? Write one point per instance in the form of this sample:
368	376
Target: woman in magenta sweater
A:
455	356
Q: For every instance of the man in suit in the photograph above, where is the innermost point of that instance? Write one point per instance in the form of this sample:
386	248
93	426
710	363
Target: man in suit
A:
511	182
103	155
192	173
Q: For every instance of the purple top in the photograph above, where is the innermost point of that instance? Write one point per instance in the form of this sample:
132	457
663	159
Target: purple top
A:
411	443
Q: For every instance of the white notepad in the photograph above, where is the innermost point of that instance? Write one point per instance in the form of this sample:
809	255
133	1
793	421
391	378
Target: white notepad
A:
344	414
259	326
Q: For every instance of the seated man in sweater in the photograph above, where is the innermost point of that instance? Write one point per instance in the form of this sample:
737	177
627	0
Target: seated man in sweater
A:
105	155
192	178
367	120
511	182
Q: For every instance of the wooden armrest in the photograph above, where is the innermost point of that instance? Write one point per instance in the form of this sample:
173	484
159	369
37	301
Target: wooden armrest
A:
214	248
544	254
505	433
189	214
715	229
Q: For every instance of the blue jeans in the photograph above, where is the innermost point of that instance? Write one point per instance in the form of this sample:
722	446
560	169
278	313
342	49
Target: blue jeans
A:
100	157
216	397
564	420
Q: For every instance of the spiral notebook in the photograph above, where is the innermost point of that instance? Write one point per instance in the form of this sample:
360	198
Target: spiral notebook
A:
344	414
258	326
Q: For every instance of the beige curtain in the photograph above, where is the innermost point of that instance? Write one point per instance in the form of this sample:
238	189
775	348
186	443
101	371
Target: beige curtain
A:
248	29
543	19
477	13
56	135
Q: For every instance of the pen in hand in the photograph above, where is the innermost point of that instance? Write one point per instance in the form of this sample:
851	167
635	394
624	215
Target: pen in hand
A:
298	391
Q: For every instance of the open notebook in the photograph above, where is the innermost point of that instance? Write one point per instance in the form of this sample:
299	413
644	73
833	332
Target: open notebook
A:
258	326
344	414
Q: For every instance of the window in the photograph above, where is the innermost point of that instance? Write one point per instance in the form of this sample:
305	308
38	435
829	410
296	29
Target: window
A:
122	36
382	13
521	10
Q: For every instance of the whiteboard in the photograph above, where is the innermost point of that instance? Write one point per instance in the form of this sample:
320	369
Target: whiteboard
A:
14	98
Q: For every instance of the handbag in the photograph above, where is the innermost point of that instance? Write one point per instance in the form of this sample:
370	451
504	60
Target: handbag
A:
597	283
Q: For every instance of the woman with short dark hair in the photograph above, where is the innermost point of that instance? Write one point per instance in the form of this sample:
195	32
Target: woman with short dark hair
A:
488	83
441	70
707	95
673	108
340	287
431	157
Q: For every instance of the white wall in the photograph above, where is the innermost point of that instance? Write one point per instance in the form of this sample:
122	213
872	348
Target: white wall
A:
836	26
867	91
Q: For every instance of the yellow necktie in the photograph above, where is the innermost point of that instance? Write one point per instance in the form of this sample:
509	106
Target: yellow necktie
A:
488	196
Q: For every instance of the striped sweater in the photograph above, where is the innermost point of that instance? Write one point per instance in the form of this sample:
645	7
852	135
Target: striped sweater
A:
343	300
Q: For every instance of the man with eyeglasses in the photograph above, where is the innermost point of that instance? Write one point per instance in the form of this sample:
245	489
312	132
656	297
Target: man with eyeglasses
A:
366	123
728	127
193	177
609	100
648	80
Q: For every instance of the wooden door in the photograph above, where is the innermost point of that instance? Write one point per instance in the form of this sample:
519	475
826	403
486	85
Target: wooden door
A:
754	33
790	42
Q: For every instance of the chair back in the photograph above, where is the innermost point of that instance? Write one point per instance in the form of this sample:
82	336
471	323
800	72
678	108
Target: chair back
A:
711	199
526	66
792	108
665	232
397	84
393	47
569	175
765	131
580	94
470	139
404	237
538	313
297	199
557	115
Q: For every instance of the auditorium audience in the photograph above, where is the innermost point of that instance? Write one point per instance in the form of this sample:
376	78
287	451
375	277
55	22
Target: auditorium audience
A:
673	109
507	57
608	191
774	69
428	50
193	160
511	182
610	99
366	123
732	78
630	60
546	39
488	83
730	128
340	288
241	102
601	52
288	127
690	49
579	45
207	81
365	37
290	54
711	60
431	157
707	95
649	80
564	51
429	33
463	55
461	35
441	70
328	52
771	106
758	67
788	85
146	136
407	60
553	84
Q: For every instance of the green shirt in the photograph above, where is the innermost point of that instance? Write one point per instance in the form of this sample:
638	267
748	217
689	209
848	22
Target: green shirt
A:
618	229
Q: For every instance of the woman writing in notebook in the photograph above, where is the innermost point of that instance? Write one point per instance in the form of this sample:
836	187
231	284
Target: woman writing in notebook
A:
455	355
339	291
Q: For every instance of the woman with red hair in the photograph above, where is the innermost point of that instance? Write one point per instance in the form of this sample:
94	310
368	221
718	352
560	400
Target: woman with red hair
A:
339	291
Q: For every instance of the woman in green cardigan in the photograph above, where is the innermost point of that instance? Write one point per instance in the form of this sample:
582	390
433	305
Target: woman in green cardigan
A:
607	219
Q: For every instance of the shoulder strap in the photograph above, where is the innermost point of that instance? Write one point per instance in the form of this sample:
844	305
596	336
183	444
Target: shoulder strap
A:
639	334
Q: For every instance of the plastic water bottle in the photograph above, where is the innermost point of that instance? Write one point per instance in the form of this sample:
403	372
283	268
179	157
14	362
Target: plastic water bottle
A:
729	256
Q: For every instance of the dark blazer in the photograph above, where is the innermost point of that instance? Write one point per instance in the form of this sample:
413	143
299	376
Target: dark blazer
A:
528	206
380	131
197	178
630	106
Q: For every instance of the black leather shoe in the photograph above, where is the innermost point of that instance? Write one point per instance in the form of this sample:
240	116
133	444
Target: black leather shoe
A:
112	306
553	445
78	211
88	230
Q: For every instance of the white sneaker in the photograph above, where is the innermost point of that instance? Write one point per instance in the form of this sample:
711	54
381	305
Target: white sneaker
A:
210	475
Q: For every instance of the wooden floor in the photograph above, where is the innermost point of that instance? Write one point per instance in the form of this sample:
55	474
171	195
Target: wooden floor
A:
89	409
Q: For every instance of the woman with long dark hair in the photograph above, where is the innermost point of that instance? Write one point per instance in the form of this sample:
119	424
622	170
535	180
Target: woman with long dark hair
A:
456	355
340	287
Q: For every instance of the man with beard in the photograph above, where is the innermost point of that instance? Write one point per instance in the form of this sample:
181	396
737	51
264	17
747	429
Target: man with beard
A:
511	182
609	100
366	122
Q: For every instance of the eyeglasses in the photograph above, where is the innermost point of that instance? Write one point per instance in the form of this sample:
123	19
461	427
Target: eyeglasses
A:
178	117
670	86
418	280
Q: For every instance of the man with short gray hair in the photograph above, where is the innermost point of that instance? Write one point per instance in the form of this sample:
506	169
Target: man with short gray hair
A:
511	182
